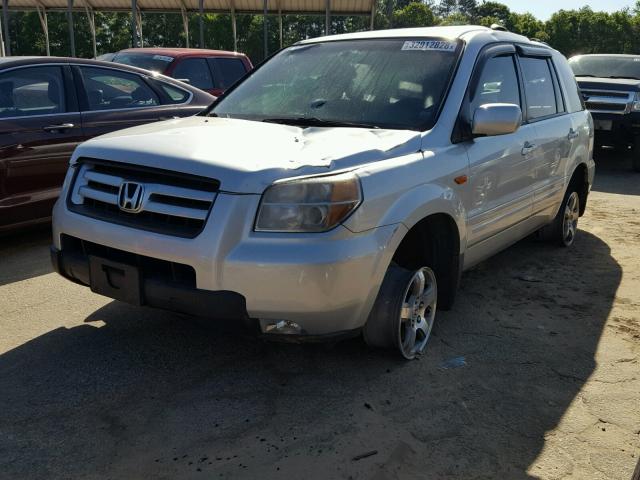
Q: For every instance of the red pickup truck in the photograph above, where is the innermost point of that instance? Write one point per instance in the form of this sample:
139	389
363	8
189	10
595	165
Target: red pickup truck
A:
210	70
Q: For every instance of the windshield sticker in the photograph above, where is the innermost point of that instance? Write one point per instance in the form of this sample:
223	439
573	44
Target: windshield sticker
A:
430	45
163	58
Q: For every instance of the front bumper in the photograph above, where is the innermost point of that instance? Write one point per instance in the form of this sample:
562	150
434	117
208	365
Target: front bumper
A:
623	127
326	283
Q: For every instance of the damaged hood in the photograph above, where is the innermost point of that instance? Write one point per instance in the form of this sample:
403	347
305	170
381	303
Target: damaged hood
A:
247	156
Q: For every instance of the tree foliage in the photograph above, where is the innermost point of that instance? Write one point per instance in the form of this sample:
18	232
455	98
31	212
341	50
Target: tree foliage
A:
570	31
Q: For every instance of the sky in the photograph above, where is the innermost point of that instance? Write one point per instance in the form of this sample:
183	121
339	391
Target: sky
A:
543	9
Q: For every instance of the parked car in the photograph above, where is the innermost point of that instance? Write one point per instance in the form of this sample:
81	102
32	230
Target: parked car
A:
48	105
611	88
340	188
210	70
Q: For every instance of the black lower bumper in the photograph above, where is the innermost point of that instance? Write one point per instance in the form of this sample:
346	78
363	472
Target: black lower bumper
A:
153	288
615	129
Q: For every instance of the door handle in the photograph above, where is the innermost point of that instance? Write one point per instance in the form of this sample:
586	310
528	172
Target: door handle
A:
528	148
573	134
58	128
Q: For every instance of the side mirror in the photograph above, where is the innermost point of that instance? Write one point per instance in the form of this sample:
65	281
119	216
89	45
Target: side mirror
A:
496	119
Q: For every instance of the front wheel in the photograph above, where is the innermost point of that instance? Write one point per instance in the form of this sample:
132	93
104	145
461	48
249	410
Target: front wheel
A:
404	311
635	155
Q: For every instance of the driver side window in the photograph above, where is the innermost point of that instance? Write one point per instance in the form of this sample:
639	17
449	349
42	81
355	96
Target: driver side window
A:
498	83
112	89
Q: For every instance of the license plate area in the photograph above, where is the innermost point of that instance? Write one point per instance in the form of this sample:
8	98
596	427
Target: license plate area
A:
606	125
119	281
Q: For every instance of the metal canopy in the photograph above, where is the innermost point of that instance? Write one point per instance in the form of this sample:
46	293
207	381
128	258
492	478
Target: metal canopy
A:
307	7
136	7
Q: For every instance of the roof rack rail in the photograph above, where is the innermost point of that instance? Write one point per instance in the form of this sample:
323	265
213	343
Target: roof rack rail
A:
539	41
499	28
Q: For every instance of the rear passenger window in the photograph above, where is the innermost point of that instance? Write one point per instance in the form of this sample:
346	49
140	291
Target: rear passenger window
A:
195	71
229	70
176	95
538	87
573	99
498	83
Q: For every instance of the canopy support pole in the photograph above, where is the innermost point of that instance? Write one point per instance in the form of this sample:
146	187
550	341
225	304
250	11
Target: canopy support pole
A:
1	41
5	22
373	14
42	15
280	23
92	26
327	16
139	24
234	26
265	29
185	23
134	24
201	20
72	40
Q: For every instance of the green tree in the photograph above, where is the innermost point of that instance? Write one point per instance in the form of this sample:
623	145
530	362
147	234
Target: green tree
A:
413	15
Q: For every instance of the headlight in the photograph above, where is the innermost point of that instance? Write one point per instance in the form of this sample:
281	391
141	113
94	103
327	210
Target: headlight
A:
315	204
636	103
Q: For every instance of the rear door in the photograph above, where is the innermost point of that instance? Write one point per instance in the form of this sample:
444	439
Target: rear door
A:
112	99
197	72
39	128
554	130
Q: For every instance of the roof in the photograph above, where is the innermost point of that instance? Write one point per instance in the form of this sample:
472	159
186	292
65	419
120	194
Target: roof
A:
345	7
182	52
465	32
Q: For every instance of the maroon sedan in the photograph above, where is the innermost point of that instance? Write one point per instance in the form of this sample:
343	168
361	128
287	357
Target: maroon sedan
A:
210	70
48	105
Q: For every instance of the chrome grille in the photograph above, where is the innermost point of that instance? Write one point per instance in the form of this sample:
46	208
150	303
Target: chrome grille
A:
170	203
608	101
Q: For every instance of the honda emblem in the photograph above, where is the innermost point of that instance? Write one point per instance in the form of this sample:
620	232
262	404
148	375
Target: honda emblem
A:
130	197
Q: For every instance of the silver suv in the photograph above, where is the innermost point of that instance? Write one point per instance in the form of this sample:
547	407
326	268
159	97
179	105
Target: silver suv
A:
341	188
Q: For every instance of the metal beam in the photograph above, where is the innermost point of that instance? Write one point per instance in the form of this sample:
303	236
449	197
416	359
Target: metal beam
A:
92	26
201	21
42	15
5	23
233	26
327	16
265	28
185	23
72	39
134	24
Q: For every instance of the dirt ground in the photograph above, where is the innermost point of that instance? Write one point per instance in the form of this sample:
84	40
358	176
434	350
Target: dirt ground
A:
534	374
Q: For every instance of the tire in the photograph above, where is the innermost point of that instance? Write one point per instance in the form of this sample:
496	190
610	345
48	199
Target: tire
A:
564	227
635	155
404	311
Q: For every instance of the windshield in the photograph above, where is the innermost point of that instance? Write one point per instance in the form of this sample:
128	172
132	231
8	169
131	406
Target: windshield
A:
384	83
606	67
148	61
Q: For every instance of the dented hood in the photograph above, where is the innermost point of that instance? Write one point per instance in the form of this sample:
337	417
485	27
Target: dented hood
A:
247	156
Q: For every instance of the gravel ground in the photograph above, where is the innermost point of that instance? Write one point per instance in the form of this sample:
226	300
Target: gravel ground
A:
534	374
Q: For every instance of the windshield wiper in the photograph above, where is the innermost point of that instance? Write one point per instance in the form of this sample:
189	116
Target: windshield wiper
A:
316	122
622	78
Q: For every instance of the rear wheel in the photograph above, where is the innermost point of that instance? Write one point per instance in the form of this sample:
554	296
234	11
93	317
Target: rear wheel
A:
563	229
404	311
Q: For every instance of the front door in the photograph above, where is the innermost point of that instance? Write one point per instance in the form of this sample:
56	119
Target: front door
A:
39	129
500	167
113	100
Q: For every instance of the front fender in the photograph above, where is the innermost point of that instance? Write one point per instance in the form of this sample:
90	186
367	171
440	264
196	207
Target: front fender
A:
406	190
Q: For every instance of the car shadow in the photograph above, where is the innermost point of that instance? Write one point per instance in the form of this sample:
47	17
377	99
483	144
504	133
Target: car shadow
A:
614	172
22	254
139	393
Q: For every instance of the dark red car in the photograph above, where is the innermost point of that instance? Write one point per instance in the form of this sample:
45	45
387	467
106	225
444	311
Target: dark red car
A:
48	105
210	70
